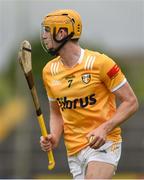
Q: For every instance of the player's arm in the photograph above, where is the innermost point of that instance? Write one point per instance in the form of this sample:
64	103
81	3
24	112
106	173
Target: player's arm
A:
128	106
56	121
115	81
56	128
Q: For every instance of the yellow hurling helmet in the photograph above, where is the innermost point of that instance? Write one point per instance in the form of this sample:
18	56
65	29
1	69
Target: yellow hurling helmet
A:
65	18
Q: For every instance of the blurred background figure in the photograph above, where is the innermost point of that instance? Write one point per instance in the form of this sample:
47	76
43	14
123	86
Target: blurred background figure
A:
116	28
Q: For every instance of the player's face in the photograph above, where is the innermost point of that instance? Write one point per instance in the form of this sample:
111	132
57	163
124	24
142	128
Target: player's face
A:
47	38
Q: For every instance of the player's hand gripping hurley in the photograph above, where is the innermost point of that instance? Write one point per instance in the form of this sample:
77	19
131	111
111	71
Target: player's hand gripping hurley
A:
26	64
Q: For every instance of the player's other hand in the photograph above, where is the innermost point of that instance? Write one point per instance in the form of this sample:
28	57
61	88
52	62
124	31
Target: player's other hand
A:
97	138
47	143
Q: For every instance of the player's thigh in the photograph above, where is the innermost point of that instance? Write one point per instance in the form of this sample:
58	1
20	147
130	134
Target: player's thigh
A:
99	170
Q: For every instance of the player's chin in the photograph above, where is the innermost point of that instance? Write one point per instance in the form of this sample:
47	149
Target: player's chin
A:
48	46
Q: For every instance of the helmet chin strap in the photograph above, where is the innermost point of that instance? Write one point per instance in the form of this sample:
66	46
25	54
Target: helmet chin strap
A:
54	51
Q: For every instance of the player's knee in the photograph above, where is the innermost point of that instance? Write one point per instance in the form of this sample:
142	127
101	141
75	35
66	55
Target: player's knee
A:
90	175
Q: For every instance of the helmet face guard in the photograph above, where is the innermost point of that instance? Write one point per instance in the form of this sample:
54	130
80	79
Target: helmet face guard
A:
42	31
62	19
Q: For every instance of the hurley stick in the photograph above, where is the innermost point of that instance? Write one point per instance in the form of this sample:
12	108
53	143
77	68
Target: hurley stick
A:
26	64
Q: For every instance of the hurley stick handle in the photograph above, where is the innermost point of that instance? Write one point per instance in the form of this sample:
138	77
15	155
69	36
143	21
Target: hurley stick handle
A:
26	64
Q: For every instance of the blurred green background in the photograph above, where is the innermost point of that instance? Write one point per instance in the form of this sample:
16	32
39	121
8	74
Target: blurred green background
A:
115	28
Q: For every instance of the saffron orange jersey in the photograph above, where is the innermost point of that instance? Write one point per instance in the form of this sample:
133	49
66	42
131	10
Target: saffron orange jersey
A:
85	95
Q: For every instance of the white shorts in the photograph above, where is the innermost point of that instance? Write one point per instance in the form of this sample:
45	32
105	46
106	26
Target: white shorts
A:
110	153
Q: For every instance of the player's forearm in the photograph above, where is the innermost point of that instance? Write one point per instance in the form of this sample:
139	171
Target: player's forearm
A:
56	129
124	111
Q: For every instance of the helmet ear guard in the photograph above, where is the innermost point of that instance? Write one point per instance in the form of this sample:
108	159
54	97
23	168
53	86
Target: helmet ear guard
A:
63	41
66	38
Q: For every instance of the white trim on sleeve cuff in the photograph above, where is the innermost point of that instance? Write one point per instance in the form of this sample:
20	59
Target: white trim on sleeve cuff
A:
119	86
51	99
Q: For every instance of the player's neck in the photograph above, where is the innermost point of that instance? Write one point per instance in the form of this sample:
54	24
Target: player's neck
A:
70	54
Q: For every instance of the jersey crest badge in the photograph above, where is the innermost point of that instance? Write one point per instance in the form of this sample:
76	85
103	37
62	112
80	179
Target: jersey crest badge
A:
86	78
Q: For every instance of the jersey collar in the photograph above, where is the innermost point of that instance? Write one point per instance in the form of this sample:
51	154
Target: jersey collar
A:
81	56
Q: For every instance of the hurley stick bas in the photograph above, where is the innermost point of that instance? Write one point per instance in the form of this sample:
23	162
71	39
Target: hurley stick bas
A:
25	60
